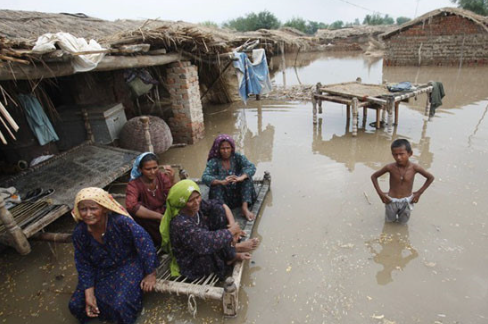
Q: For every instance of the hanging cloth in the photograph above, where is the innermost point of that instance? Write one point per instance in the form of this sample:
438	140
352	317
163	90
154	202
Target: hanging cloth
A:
38	122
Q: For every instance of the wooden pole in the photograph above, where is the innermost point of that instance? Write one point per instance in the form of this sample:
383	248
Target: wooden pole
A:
397	104
89	134
230	298
16	71
147	134
318	86
314	108
348	113
428	104
355	103
53	237
283	63
17	238
378	118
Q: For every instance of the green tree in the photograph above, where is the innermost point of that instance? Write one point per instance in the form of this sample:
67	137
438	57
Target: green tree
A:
297	23
336	24
477	6
313	26
252	21
402	20
209	23
376	19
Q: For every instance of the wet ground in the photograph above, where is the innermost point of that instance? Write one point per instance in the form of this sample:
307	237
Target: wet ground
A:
326	254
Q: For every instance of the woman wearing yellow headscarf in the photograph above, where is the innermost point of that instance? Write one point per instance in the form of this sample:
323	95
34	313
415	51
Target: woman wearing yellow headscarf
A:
115	258
196	233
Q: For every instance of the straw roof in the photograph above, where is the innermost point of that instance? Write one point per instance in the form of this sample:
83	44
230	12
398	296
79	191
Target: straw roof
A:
353	31
477	19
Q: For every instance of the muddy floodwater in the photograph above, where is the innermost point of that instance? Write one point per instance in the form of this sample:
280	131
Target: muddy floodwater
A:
326	255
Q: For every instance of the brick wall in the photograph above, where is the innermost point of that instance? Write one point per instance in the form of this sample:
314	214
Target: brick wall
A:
187	121
440	40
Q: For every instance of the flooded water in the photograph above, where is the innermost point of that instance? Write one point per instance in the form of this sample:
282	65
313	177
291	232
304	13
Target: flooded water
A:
326	255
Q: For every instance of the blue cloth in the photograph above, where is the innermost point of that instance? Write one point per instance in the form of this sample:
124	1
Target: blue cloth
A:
135	173
115	269
36	118
255	76
402	86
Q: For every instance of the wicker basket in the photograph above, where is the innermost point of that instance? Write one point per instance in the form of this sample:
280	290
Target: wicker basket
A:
132	135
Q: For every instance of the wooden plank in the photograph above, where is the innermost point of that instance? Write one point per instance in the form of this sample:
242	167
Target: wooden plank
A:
17	72
46	220
168	286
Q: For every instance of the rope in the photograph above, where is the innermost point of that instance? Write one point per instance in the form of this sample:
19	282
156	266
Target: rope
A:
192	305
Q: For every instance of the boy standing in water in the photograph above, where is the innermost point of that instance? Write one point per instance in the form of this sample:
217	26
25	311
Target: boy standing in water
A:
400	199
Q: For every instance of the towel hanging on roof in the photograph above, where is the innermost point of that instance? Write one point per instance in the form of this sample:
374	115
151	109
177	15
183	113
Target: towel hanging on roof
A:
253	77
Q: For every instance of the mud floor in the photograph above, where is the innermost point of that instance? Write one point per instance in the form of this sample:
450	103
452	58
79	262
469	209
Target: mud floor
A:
326	255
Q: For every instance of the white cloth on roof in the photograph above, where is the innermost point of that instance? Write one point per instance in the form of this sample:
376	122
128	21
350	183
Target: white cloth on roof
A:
67	42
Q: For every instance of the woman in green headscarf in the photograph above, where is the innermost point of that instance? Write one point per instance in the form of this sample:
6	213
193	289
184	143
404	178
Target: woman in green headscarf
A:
197	233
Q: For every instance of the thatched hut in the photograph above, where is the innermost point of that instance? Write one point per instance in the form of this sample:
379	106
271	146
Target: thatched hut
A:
447	36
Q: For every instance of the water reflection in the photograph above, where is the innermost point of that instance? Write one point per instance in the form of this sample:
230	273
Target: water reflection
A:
367	148
335	67
463	86
392	250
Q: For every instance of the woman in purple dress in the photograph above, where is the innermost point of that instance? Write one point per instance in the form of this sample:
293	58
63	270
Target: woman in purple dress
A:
199	235
115	258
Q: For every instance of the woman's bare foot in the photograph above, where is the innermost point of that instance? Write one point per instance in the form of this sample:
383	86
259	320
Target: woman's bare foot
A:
243	256
248	214
240	256
247	245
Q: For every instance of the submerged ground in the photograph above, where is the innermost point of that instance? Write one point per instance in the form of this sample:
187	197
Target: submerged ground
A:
326	255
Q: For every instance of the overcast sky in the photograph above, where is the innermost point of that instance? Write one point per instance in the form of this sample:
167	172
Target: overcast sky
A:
219	11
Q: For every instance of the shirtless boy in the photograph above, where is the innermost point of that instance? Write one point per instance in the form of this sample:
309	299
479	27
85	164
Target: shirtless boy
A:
400	199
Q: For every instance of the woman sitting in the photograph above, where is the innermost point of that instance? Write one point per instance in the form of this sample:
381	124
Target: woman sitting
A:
229	176
115	258
146	193
198	234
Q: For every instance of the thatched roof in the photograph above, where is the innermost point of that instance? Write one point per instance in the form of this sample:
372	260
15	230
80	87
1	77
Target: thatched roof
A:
477	19
354	31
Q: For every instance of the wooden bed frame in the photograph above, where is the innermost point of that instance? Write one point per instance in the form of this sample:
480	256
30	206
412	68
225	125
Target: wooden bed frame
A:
209	287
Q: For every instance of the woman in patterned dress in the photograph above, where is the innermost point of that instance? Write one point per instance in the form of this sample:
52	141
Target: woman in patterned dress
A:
229	176
146	193
115	258
198	234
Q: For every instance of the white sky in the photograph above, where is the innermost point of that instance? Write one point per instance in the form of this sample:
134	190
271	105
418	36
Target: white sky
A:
219	11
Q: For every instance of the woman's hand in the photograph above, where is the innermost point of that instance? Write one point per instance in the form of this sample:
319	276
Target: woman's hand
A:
234	229
91	307
169	171
147	284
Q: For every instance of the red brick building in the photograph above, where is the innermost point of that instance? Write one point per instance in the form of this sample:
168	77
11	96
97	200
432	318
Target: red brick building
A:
447	36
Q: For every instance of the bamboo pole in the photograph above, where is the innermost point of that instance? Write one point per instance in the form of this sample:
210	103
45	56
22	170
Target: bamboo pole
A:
9	118
17	239
147	134
8	129
89	134
355	102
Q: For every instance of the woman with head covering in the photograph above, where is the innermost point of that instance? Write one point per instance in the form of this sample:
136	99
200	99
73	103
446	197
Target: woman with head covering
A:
229	176
115	258
197	233
146	193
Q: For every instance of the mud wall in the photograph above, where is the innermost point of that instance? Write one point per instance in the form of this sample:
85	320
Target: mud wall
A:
440	40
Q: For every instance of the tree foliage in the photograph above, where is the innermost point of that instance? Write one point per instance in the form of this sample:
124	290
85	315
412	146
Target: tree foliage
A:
477	6
336	24
308	27
252	21
402	20
377	19
209	23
